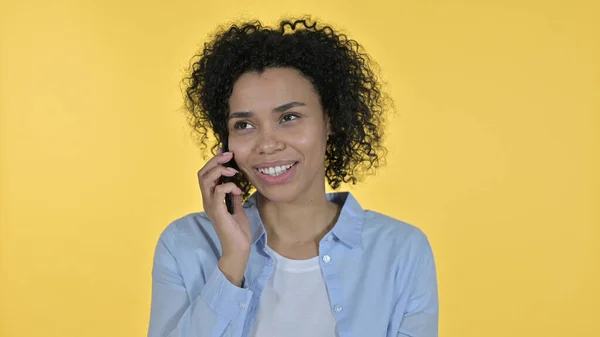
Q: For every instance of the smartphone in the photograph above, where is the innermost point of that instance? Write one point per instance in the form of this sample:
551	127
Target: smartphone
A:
231	163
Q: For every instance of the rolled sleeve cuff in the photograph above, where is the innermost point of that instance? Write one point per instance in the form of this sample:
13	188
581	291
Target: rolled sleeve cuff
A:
224	298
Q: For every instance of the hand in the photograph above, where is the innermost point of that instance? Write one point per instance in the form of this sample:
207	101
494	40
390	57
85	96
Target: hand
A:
233	230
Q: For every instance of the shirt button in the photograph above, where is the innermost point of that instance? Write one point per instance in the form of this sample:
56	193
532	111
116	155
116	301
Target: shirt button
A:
329	237
326	258
242	305
337	308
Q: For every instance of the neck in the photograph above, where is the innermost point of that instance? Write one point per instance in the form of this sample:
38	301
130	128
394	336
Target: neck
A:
301	222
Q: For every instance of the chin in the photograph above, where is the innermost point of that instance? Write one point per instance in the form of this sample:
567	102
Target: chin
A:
279	193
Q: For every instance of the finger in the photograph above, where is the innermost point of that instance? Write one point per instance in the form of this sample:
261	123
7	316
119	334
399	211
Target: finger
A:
219	150
220	192
236	200
222	189
208	183
214	161
211	179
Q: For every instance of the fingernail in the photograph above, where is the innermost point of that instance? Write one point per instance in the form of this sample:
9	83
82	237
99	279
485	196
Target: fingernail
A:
225	153
231	169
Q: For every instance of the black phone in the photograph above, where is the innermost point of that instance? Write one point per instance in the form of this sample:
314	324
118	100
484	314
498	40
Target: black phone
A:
231	163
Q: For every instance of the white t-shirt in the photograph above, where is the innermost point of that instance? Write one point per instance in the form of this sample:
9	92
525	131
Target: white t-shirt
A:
294	302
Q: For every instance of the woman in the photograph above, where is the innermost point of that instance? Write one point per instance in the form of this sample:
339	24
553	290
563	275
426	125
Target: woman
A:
294	107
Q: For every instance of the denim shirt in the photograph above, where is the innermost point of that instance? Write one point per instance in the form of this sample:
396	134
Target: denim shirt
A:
379	273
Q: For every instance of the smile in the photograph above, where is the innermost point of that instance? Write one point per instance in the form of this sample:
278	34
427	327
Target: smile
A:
275	170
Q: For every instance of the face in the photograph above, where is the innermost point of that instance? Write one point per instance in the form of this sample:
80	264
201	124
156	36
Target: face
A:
278	133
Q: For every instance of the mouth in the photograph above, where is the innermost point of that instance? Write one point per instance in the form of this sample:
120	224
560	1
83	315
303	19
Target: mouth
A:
275	170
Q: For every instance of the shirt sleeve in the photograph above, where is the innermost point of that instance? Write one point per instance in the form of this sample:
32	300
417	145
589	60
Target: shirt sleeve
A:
421	317
221	305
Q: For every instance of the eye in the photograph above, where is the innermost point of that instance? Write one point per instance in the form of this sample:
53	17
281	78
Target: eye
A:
289	117
242	125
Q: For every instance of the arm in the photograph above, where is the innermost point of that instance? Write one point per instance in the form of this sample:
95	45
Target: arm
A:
219	307
421	316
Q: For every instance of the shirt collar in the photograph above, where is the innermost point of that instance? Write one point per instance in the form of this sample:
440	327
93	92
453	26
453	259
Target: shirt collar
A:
347	229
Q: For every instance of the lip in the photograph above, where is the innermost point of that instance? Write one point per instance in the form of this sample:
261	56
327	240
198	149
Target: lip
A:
280	179
274	163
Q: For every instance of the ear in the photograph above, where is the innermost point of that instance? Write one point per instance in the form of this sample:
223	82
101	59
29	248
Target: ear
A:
328	125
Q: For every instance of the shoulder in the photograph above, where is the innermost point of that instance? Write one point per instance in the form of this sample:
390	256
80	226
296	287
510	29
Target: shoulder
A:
187	249
190	231
396	237
377	230
386	227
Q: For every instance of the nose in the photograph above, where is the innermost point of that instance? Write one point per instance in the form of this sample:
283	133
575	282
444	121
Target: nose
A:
269	141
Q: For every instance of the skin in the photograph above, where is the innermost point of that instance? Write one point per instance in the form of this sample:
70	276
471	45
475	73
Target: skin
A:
275	117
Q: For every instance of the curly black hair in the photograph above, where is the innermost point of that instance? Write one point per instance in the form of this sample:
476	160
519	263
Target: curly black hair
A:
341	73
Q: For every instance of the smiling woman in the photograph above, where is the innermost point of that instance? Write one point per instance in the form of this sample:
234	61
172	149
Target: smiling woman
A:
294	107
281	144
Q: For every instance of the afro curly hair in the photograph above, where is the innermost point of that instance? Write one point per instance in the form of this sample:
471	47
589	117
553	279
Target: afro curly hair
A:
340	71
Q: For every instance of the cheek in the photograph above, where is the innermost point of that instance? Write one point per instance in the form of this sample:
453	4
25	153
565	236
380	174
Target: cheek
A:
312	147
241	150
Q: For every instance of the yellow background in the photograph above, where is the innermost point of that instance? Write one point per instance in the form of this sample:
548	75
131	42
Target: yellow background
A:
494	153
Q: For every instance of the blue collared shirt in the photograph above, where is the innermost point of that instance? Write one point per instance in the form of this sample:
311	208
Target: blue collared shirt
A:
379	273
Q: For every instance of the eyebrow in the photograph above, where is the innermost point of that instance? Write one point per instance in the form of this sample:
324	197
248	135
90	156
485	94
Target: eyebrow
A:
279	109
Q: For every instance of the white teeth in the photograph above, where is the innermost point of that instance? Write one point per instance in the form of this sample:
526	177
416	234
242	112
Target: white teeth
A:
275	170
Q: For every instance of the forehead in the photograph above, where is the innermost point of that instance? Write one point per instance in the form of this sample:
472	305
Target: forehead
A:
271	88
